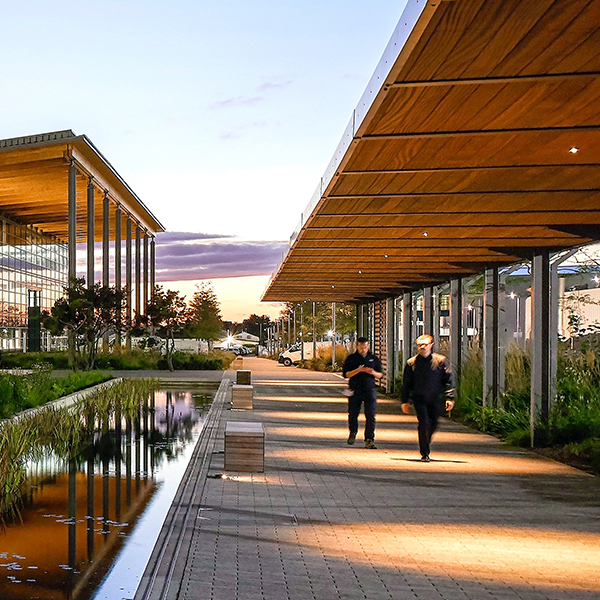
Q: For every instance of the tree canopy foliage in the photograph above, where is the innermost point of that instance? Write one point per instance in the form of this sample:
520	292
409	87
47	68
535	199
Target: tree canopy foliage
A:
86	313
204	314
168	311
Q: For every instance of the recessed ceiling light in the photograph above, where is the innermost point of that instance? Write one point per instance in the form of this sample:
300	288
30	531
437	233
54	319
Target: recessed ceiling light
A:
425	234
332	287
360	272
574	150
385	256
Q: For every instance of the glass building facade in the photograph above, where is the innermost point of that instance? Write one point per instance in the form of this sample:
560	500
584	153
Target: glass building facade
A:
33	273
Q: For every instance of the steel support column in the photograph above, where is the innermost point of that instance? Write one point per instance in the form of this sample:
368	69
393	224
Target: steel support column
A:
105	240
105	251
90	260
128	278
428	310
456	327
146	276
72	218
491	337
407	326
138	270
390	343
435	331
152	266
118	243
540	340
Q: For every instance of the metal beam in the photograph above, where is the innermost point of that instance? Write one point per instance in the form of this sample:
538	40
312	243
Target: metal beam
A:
540	341
72	221
91	218
490	337
494	80
407	325
105	240
456	327
428	310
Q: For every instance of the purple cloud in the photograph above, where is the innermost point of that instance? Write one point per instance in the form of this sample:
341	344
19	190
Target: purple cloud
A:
186	256
237	101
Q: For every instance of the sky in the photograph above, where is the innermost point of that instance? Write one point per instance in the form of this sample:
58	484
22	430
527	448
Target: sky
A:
221	116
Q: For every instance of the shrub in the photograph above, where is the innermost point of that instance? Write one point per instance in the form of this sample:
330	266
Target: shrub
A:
322	362
19	392
190	361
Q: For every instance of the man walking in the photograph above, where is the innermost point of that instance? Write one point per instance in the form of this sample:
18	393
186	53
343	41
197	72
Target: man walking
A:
428	382
362	368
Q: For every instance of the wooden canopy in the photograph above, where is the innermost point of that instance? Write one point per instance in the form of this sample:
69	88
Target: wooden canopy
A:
34	185
476	143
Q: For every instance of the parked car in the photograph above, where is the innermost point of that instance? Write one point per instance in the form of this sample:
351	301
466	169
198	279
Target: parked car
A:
293	355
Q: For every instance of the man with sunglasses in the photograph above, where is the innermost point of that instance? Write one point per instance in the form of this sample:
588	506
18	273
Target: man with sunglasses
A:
429	384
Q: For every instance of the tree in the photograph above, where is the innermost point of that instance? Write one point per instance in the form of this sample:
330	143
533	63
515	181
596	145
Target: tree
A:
167	310
204	318
256	325
86	313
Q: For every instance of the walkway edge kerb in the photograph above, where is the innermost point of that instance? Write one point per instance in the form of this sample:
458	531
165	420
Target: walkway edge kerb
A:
162	577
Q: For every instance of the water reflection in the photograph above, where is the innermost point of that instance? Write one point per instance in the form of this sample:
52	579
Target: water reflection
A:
79	511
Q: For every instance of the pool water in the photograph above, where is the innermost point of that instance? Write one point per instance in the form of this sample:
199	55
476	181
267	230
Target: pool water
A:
88	524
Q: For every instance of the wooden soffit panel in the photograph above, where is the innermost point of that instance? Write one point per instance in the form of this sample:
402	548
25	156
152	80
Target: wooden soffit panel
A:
34	174
459	156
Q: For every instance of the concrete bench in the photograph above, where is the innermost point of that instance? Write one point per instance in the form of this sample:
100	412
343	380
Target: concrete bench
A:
243	377
244	446
242	397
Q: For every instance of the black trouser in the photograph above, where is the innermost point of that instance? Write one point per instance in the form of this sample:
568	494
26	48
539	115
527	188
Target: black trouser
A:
354	403
427	414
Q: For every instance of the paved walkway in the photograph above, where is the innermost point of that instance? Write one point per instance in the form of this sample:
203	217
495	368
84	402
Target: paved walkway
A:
329	521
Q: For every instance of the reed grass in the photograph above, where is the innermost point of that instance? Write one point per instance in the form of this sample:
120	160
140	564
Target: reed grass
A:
62	431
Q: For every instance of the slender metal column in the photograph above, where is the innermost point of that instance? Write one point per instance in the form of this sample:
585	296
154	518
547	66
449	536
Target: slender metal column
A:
72	199
416	331
456	327
138	269
540	341
314	325
407	319
105	240
435	332
91	190
333	333
359	324
118	243
390	342
146	275
428	310
152	266
490	337
128	259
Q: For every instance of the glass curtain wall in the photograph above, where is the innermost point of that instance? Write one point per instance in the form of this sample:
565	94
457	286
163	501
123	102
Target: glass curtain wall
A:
33	273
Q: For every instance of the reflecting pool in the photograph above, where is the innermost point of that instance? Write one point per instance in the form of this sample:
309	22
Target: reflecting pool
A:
87	524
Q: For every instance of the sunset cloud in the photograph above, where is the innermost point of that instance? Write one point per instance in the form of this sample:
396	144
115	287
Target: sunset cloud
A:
182	256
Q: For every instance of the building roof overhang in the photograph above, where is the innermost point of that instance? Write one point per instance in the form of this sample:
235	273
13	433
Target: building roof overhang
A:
476	144
34	185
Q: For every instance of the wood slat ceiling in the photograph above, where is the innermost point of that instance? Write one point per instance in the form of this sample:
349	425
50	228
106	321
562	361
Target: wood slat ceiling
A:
34	185
462	160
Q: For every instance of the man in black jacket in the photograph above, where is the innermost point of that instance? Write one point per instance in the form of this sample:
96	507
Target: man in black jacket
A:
362	368
428	382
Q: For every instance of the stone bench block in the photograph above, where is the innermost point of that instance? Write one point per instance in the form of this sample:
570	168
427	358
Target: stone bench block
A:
243	377
242	397
244	446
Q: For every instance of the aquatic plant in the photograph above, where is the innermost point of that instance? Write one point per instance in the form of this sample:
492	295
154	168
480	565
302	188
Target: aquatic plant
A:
63	431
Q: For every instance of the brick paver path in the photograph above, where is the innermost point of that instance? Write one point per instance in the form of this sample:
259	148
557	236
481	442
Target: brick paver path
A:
329	521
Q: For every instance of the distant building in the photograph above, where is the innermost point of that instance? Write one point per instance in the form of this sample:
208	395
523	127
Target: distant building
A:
57	191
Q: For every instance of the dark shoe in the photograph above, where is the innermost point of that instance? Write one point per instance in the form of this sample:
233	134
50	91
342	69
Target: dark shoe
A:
351	438
425	459
370	445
